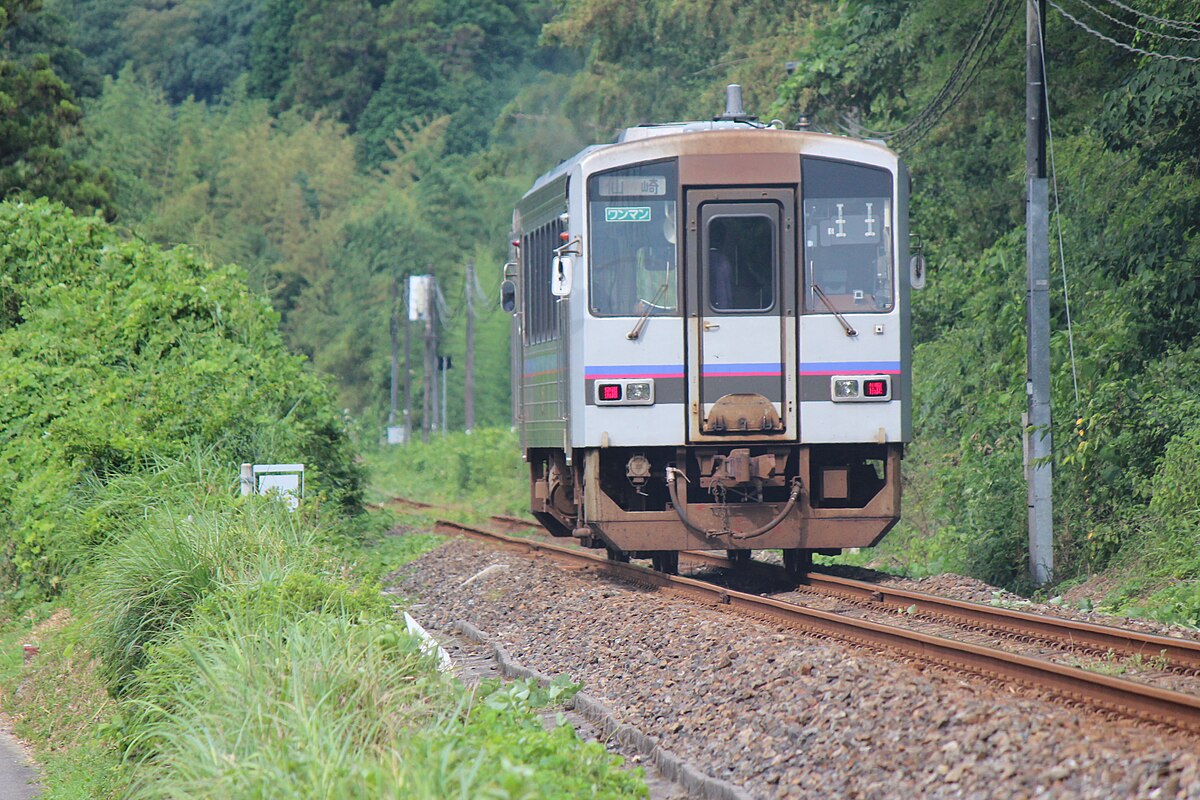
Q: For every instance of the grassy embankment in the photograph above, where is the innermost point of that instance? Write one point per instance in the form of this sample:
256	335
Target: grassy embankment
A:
191	642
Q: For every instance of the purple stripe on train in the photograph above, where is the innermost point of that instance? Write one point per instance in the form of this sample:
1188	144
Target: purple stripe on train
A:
634	371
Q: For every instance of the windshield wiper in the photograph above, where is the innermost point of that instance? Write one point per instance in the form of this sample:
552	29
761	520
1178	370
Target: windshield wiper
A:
825	299
650	306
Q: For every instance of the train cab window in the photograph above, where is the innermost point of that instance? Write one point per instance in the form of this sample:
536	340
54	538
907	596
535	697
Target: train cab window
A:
741	263
633	256
847	237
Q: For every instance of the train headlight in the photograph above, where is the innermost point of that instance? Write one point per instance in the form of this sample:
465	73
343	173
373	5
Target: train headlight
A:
861	389
845	388
638	392
625	392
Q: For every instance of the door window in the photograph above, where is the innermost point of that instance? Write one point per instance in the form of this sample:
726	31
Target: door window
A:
741	263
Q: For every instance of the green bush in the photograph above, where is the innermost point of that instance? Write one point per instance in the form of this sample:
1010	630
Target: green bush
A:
1175	487
115	355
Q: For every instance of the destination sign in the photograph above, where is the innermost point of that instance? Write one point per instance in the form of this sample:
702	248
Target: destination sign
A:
633	185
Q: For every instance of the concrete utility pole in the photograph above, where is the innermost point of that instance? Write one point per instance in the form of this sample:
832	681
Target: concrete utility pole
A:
430	371
443	365
407	372
469	384
394	325
431	362
1038	470
422	305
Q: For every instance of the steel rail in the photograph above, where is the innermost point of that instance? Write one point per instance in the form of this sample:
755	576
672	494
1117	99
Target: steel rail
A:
1181	653
1149	703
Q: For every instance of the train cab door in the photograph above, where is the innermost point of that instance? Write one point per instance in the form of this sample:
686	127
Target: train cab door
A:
741	314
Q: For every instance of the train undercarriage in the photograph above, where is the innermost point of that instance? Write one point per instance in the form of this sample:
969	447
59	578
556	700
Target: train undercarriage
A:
654	502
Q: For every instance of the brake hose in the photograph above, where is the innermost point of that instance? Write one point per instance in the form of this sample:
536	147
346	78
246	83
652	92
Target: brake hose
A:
673	475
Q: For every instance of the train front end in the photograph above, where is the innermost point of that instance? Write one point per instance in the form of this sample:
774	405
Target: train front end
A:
733	350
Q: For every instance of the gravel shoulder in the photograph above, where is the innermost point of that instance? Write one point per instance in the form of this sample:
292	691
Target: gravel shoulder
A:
790	716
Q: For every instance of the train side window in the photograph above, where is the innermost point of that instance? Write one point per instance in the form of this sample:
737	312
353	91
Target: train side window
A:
847	237
741	268
633	232
540	306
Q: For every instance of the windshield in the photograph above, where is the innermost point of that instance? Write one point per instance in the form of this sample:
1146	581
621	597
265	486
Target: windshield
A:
847	237
633	267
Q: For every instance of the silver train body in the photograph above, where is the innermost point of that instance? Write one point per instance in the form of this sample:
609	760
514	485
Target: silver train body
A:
711	341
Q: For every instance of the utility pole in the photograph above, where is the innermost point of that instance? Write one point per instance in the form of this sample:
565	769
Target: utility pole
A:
443	365
469	384
1038	470
421	305
408	368
394	325
435	375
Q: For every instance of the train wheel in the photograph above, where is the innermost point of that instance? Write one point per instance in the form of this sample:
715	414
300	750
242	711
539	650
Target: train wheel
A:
618	555
797	561
665	561
738	557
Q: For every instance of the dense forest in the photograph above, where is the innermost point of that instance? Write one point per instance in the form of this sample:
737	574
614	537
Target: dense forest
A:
330	148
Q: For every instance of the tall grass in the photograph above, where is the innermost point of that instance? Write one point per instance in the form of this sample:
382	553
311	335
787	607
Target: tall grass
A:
250	662
320	706
310	707
148	582
481	469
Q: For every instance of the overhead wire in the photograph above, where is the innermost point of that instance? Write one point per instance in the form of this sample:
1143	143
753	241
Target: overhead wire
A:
932	106
1177	24
1122	23
964	86
1062	259
995	24
1123	45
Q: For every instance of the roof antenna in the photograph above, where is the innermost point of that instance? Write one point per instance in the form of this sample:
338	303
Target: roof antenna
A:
733	106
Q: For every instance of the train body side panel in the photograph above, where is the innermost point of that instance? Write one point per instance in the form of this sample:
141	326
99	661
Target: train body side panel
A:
657	354
542	395
826	353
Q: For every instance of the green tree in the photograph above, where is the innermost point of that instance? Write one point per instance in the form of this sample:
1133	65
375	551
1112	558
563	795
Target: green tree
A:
38	113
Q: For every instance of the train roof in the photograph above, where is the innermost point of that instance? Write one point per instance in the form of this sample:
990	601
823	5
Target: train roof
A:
734	119
637	133
642	133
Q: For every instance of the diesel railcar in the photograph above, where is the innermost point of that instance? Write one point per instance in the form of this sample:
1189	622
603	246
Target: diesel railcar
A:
711	341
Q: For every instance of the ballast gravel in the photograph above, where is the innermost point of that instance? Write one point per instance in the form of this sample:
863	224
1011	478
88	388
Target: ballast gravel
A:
786	715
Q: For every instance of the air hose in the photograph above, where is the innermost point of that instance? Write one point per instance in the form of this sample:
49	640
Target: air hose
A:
673	476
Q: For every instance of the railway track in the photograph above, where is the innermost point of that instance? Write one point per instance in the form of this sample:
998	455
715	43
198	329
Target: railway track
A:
1105	692
1178	655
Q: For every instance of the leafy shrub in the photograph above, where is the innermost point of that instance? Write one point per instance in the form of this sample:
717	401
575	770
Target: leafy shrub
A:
1176	484
115	355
